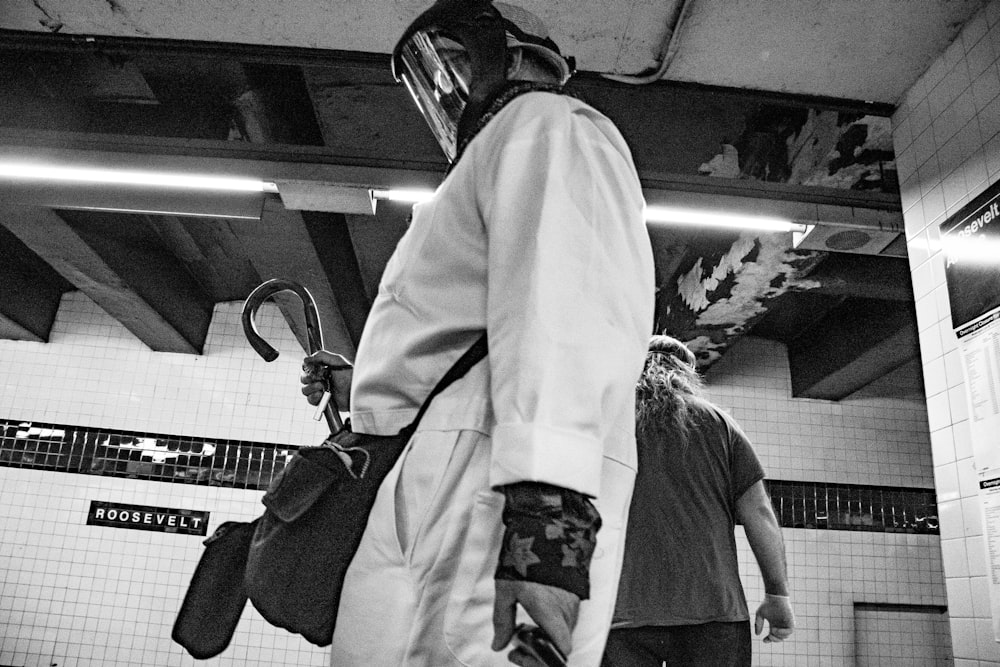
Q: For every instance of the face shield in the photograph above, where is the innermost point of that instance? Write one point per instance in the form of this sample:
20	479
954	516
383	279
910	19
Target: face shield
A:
453	59
438	74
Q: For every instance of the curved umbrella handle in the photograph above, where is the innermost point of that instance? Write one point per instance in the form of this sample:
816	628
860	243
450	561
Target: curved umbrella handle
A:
314	333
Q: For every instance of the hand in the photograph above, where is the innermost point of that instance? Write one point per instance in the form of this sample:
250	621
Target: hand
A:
552	609
777	611
321	368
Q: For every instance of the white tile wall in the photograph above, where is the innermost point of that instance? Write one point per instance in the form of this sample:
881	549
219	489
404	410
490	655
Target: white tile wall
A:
84	595
78	595
947	133
855	441
926	639
831	570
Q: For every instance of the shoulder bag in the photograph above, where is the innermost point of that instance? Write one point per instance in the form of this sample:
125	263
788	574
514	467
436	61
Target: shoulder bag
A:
316	512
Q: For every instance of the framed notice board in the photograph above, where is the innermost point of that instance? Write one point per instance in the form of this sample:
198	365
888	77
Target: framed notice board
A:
971	242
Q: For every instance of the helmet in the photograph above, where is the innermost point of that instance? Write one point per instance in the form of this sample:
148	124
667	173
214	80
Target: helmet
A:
453	60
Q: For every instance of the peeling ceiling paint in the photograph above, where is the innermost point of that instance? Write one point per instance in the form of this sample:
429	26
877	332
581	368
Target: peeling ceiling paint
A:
728	296
776	271
694	286
791	144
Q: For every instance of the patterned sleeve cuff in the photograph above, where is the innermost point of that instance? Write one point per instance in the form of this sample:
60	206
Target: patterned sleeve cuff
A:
549	538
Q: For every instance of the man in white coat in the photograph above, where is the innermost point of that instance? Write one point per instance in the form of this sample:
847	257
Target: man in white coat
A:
509	502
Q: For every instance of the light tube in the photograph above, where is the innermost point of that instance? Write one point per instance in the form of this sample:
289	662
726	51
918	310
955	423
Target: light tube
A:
35	172
680	216
653	214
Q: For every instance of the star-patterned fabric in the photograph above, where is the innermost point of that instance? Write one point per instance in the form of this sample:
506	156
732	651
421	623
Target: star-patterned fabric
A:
549	538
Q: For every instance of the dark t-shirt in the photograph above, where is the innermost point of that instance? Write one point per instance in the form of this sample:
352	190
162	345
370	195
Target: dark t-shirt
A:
680	564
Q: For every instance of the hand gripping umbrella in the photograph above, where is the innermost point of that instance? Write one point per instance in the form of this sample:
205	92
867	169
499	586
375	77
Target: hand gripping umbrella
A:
327	406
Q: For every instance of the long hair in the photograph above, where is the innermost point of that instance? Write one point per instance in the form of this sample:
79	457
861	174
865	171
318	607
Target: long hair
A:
664	391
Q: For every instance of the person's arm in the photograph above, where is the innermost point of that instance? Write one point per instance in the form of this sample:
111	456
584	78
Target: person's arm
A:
570	295
549	537
754	511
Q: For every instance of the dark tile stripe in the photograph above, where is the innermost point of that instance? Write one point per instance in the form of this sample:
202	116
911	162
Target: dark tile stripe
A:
152	456
822	505
244	464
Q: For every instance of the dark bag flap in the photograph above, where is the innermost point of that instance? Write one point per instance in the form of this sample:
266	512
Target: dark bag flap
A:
310	472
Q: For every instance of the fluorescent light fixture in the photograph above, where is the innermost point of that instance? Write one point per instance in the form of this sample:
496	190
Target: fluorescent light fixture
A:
680	216
407	196
22	171
653	214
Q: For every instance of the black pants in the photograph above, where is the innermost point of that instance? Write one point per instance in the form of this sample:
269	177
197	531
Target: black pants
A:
705	645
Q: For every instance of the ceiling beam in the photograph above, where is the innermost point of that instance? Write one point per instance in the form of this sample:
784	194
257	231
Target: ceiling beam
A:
212	253
145	290
363	114
838	277
331	237
863	276
857	342
794	312
30	291
375	238
905	381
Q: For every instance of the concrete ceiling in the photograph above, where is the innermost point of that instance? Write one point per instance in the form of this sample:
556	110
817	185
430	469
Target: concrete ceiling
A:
857	49
776	107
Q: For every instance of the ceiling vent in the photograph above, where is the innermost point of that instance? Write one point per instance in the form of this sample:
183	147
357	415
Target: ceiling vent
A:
831	238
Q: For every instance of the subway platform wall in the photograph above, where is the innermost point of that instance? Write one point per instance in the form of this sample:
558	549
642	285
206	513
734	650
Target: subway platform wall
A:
946	133
73	593
863	595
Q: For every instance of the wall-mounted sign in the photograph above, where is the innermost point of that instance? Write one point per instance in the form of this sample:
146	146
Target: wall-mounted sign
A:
141	517
979	343
970	240
989	504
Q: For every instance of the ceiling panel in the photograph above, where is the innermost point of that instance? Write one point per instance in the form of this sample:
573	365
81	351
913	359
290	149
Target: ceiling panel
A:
870	50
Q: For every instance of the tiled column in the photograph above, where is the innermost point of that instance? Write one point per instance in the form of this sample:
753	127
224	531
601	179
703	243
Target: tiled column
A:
947	139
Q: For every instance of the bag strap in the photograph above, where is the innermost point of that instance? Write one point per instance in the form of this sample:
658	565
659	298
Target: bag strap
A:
470	358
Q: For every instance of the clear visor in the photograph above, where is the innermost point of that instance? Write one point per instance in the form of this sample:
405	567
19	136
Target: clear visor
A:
437	73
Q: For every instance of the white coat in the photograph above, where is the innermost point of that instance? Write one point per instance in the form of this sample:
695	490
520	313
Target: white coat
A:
537	236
